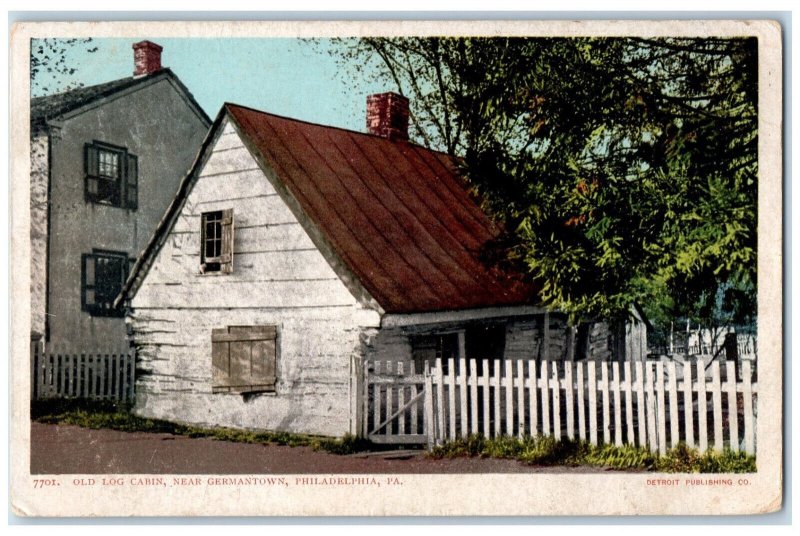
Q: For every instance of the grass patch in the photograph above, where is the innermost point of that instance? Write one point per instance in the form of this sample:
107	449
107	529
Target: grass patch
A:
117	416
548	451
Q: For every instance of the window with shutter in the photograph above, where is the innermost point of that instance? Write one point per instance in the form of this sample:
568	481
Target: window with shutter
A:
111	175
216	237
103	273
244	359
132	183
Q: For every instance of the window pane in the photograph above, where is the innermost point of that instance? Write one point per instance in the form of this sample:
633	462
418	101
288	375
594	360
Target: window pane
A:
110	272
105	168
212	235
109	164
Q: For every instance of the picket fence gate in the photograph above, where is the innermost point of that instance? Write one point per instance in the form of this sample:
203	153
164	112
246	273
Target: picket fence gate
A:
56	374
649	404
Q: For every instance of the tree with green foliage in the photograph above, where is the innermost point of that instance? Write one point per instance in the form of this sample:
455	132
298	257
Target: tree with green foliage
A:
624	169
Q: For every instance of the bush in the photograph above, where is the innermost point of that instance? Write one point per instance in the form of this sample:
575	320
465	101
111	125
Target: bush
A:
349	444
545	450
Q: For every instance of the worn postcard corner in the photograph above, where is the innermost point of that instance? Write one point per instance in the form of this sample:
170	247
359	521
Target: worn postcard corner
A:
430	268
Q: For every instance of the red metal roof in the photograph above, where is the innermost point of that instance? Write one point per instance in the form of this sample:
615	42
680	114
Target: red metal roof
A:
396	213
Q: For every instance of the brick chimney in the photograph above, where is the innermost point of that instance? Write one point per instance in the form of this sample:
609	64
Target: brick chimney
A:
146	58
387	115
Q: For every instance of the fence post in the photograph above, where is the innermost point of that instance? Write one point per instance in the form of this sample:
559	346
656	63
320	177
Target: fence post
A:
581	404
429	424
605	387
545	375
630	435
497	383
451	397
533	398
591	376
617	404
661	415
716	398
487	393
415	407
556	402
733	406
731	345
462	391
473	419
35	353
688	404
440	424
651	407
702	408
401	399
568	393
747	395
509	394
365	401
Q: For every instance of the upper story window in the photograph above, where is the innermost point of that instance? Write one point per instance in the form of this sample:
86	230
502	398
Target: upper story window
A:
216	242
111	175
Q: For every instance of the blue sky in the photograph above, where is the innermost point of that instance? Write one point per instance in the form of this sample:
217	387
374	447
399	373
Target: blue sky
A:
290	77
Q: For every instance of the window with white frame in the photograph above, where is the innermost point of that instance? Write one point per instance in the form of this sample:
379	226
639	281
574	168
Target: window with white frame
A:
216	241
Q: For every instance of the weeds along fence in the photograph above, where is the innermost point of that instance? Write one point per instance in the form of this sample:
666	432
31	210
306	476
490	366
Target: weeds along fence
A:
56	374
650	404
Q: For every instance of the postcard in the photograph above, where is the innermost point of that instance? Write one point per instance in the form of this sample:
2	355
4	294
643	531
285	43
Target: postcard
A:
429	268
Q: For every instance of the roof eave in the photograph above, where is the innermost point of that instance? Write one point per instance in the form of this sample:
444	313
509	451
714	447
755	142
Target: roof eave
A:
39	124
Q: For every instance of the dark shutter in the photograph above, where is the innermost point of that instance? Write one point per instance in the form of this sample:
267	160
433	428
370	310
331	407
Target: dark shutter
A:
88	298
226	256
91	168
132	182
244	359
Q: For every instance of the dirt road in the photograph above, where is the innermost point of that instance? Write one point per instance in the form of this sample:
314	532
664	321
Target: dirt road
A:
59	449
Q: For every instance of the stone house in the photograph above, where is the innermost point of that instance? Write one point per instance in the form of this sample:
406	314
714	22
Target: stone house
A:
106	161
294	252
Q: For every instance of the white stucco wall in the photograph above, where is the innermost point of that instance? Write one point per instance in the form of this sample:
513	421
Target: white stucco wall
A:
39	178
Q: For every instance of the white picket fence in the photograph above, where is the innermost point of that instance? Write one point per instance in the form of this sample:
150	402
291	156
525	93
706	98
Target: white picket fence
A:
651	404
746	348
56	374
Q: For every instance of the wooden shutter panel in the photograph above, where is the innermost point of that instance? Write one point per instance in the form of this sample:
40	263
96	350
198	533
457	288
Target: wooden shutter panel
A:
132	182
220	365
91	160
226	256
88	299
91	169
244	359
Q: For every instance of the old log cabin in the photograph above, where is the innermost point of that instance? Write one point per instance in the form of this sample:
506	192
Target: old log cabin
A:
295	252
